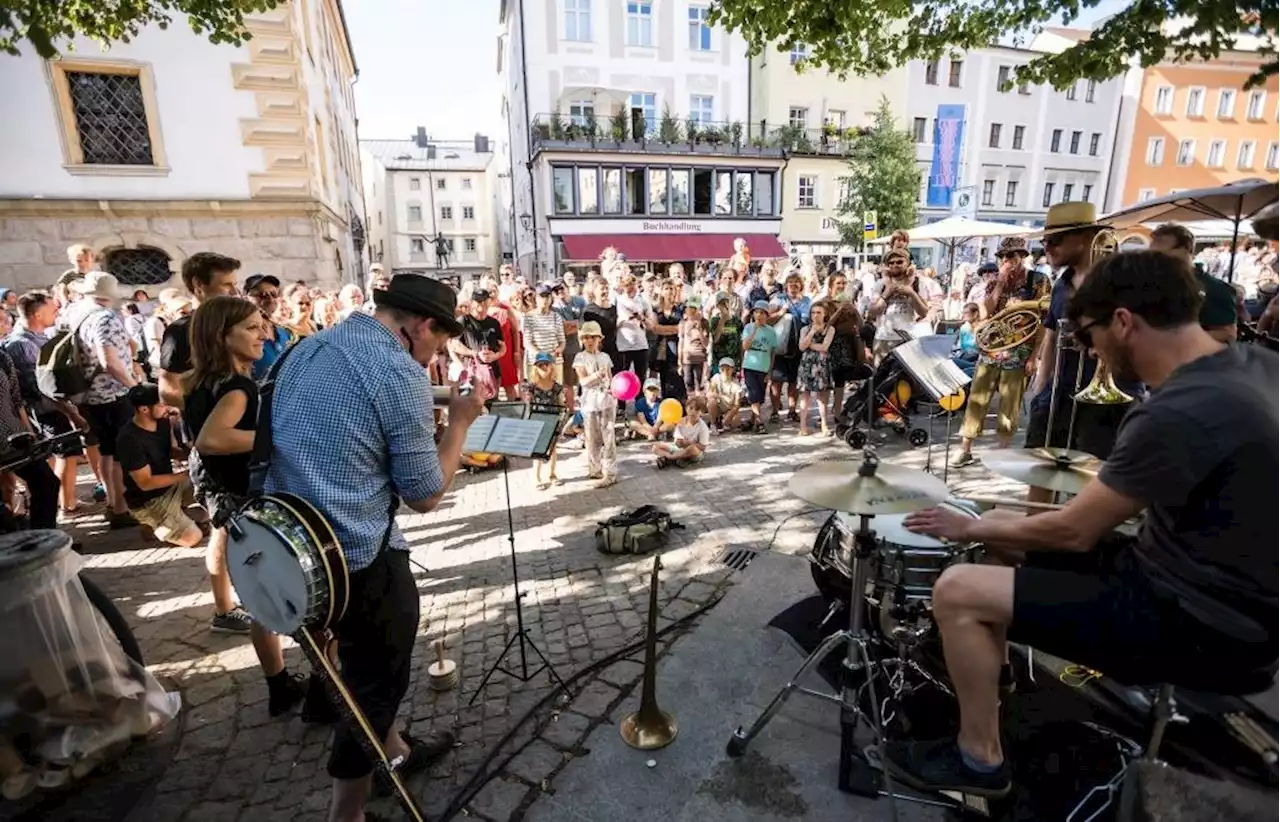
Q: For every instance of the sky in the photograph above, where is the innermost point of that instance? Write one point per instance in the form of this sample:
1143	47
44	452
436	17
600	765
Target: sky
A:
430	63
433	63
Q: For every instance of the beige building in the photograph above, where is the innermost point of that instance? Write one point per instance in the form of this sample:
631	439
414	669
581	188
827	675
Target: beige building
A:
168	145
820	112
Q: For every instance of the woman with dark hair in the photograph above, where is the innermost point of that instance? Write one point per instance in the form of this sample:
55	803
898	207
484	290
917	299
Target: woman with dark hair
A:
221	409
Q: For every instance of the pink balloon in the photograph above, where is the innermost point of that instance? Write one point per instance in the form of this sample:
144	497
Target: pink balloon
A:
625	385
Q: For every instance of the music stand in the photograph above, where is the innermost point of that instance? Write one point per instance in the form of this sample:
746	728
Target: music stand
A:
533	436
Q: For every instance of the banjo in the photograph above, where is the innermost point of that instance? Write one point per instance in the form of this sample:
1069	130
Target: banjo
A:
287	566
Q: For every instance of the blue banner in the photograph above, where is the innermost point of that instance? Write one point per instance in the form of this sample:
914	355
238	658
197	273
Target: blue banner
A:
948	137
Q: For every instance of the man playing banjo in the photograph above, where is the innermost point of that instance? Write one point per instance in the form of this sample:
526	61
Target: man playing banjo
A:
353	434
1198	586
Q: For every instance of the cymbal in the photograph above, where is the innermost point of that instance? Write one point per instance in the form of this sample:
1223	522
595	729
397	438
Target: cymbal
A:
887	489
1054	469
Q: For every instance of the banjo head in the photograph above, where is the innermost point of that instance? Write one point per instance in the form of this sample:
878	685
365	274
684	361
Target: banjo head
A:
281	559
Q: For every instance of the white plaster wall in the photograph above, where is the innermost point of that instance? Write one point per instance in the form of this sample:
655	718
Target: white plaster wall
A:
199	112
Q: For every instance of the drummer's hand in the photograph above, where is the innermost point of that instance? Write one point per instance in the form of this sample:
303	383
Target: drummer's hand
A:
940	522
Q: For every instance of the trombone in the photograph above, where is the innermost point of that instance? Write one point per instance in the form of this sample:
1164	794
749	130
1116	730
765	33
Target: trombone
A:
1102	389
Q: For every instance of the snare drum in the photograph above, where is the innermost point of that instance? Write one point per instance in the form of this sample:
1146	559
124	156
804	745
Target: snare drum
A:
908	564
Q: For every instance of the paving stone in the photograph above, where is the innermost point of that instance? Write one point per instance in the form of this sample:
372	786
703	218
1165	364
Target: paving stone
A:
536	762
566	729
595	699
499	798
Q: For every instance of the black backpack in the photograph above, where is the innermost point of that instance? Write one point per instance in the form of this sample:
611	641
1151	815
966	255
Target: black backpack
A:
59	369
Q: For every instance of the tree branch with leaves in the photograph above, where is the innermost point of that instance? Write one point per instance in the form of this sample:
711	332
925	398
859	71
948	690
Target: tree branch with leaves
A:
50	25
883	177
870	37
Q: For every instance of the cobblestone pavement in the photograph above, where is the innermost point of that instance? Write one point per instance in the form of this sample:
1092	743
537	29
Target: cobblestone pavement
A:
234	763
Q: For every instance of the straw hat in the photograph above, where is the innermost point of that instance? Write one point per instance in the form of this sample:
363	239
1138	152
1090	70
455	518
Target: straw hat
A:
1069	216
590	328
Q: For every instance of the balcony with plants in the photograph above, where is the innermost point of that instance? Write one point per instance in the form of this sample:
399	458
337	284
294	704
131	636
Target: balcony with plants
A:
668	134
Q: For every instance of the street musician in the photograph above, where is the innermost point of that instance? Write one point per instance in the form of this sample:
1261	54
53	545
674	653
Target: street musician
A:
1197	589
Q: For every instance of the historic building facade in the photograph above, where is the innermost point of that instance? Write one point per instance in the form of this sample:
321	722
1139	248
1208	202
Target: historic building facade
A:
168	145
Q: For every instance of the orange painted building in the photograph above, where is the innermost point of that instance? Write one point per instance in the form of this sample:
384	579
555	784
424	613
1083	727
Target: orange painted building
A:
1188	126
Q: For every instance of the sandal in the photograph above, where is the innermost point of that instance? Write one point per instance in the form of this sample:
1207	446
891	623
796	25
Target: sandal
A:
595	475
542	486
422	753
805	433
760	429
554	480
662	462
607	482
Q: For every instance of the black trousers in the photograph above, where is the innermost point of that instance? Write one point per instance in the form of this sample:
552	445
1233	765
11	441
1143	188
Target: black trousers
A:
44	487
375	647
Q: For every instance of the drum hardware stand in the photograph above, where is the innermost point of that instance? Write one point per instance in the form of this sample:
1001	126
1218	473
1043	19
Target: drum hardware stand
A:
856	772
521	636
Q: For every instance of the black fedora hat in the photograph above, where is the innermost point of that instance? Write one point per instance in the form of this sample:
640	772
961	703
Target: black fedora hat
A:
423	296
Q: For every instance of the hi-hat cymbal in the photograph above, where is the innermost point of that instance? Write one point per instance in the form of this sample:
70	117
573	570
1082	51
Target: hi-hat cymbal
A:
1054	469
857	487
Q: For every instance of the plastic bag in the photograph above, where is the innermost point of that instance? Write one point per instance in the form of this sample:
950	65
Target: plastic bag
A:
69	696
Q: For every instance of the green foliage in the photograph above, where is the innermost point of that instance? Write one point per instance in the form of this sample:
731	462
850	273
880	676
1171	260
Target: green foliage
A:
883	177
618	126
50	25
691	129
873	36
668	127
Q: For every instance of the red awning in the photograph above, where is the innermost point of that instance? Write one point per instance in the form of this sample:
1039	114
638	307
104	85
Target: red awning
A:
669	247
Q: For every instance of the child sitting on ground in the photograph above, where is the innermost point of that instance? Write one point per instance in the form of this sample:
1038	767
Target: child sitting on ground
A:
543	390
724	396
692	437
646	424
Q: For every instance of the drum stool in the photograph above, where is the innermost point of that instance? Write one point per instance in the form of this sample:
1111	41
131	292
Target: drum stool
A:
1163	712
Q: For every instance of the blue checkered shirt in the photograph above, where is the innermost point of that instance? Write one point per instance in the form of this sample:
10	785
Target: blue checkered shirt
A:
351	425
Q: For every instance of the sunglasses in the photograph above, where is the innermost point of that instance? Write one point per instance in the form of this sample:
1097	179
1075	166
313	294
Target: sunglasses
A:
1084	334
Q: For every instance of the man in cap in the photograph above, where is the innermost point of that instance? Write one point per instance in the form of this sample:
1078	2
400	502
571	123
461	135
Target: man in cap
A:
895	304
108	367
369	447
1004	372
264	291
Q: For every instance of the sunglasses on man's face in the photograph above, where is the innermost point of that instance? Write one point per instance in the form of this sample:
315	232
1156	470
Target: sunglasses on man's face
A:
1084	333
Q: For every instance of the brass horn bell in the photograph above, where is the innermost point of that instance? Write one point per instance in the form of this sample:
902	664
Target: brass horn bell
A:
650	727
1102	389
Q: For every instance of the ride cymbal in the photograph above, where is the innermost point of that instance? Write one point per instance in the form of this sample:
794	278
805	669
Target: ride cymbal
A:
1054	469
868	487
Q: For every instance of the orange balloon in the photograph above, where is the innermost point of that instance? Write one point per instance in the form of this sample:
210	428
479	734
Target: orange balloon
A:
670	411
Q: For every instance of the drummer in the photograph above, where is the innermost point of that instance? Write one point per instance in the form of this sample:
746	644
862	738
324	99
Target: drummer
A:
1197	587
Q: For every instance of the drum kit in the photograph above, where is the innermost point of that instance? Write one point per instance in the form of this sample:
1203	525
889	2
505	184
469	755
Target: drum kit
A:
866	561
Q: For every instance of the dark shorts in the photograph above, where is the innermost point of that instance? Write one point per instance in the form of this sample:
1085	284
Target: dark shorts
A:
755	382
375	647
53	423
1104	611
1095	428
785	369
105	421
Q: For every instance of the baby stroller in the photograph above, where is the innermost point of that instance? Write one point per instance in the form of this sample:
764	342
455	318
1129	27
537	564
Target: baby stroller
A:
890	391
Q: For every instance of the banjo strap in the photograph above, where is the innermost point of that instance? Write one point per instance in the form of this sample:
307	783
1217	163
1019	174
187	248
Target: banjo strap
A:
260	460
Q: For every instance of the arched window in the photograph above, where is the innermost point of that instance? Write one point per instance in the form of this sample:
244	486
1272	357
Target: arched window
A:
138	266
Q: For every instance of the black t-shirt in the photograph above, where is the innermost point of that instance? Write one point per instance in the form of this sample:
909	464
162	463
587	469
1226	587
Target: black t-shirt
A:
227	471
1202	453
137	448
175	347
608	319
483	334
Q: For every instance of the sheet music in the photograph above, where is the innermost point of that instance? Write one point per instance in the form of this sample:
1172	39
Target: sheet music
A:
478	434
517	438
928	360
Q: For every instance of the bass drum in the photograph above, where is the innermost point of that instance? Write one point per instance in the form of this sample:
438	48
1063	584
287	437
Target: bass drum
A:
286	565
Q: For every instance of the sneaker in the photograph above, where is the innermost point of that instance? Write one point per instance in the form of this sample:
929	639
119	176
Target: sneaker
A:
117	521
938	766
774	417
235	621
963	460
662	462
284	694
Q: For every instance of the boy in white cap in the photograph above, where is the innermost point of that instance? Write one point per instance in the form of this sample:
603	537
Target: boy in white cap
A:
646	424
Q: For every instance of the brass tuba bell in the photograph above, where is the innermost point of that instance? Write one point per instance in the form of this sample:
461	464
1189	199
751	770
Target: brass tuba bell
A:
650	727
1102	389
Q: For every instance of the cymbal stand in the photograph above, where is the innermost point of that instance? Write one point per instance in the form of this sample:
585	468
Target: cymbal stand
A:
862	779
